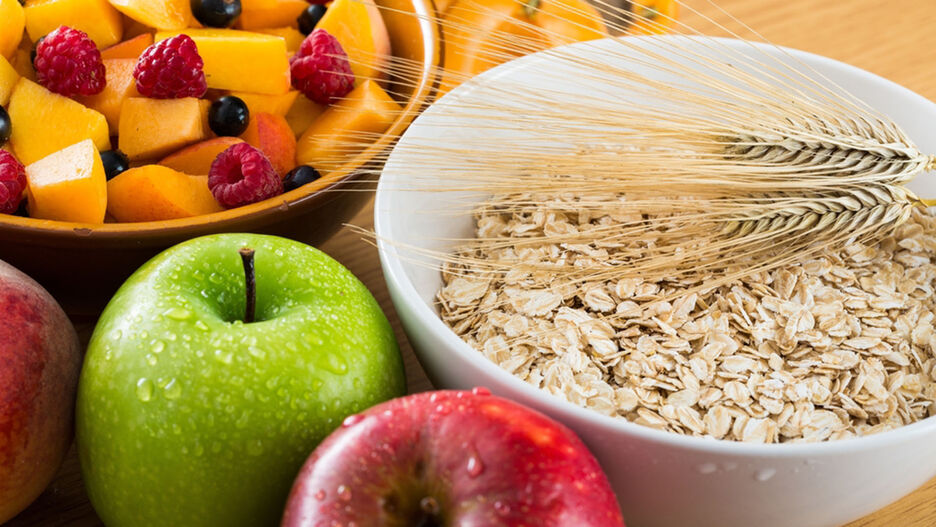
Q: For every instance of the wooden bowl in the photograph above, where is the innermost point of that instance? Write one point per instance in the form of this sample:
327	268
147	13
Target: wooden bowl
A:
82	265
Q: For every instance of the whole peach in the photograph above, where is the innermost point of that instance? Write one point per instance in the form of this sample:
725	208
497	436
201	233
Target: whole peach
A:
40	358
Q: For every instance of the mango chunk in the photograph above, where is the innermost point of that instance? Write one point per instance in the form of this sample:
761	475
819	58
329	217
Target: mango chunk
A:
155	193
303	113
197	159
160	14
97	18
240	60
128	49
276	13
12	22
262	103
291	35
361	31
272	135
342	130
68	185
45	122
120	86
8	79
151	128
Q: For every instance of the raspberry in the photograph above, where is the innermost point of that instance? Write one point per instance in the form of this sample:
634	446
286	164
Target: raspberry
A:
68	63
241	175
320	69
12	183
171	69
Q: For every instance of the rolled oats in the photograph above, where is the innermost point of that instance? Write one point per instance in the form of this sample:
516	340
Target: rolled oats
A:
838	346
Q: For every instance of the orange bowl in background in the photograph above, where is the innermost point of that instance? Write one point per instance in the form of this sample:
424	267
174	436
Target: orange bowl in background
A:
82	265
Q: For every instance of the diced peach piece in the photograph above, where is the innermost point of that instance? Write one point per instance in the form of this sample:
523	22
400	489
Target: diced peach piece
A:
68	185
361	31
258	4
45	122
8	79
303	113
156	193
152	128
240	60
291	35
197	159
272	135
279	13
160	14
120	86
97	18
262	103
128	49
343	129
12	22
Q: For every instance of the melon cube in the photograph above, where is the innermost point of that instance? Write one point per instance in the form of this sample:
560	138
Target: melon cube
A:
240	60
68	185
8	79
155	193
340	131
160	14
291	35
262	103
45	122
152	128
277	13
12	21
97	18
120	86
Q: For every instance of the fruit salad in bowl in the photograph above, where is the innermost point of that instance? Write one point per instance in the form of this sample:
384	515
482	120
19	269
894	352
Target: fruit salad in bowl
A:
127	126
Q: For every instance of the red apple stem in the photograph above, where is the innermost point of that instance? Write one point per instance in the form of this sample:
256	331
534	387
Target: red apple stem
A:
250	277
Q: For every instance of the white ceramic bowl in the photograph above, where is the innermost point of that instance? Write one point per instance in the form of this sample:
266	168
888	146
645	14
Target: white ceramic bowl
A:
661	479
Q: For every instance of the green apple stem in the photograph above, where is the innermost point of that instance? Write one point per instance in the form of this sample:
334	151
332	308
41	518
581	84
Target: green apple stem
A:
250	276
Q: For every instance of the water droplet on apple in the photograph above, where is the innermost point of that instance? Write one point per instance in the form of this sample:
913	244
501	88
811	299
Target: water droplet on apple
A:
443	409
433	397
179	313
344	493
150	359
502	508
215	278
475	467
352	420
201	326
116	334
255	447
480	391
224	356
144	389
172	389
198	450
158	346
256	352
320	495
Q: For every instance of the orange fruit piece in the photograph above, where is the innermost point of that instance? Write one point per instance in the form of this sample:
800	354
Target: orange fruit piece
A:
68	185
197	159
155	193
129	49
152	128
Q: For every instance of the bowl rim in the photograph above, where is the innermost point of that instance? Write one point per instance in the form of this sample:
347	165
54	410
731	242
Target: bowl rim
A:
428	78
429	320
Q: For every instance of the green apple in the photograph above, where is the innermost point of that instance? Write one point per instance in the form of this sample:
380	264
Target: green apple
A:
188	416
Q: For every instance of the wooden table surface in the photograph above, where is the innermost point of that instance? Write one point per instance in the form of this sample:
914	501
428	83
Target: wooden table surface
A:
895	39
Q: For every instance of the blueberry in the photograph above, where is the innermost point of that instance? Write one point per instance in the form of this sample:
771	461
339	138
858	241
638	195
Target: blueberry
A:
6	126
216	13
23	210
310	17
115	162
299	176
228	116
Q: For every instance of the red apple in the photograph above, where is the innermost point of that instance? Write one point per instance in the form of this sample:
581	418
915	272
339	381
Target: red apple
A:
452	458
39	363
